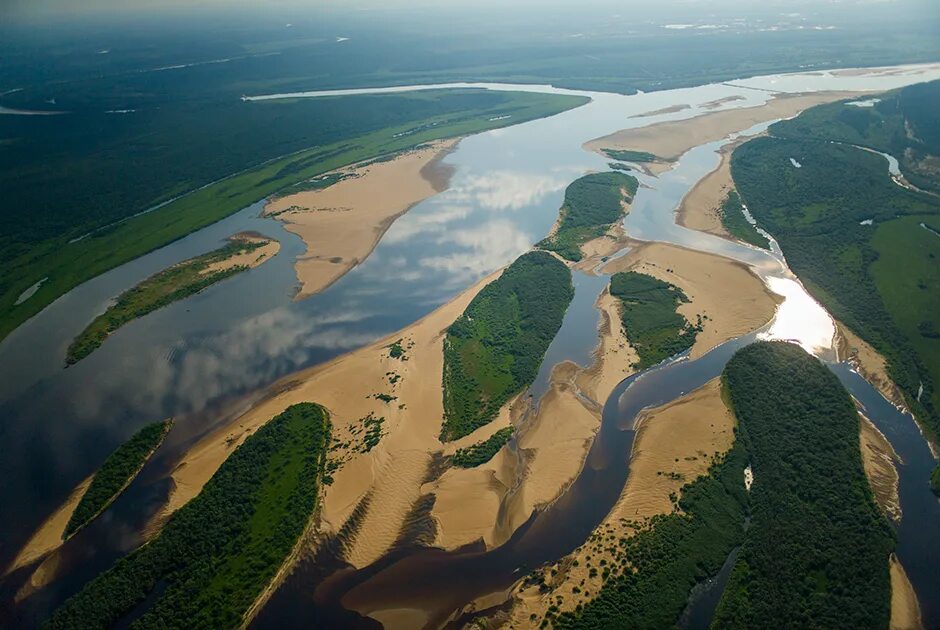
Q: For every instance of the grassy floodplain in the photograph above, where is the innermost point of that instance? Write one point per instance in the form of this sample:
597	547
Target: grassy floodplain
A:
592	204
816	552
161	289
493	351
116	473
47	247
855	237
219	551
732	217
482	452
650	321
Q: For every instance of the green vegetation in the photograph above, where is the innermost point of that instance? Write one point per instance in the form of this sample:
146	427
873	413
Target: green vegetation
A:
112	167
592	204
880	278
495	348
732	217
655	569
482	452
218	552
116	473
904	123
161	289
650	321
816	552
631	156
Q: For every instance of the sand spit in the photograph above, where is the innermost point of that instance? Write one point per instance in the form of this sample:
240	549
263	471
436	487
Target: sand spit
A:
905	609
674	444
699	208
669	140
394	471
730	298
672	109
341	224
249	259
880	462
49	535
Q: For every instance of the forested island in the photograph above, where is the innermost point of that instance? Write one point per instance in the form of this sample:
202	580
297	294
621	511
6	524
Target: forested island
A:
116	473
816	552
853	235
493	351
218	552
593	203
650	321
172	285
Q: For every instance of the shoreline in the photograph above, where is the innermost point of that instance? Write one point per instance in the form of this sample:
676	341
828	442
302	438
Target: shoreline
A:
343	223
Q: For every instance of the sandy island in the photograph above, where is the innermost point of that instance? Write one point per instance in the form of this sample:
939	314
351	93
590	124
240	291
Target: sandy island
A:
669	140
341	224
880	462
905	609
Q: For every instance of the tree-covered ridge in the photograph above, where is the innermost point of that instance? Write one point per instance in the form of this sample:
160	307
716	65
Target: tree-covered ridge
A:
482	452
161	289
218	552
650	321
116	473
732	217
816	552
656	568
494	350
904	123
854	238
592	204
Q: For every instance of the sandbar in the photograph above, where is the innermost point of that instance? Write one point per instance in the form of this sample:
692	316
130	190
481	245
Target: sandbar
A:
699	209
905	609
341	224
880	462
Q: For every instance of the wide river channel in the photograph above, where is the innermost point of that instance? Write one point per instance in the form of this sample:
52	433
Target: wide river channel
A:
205	359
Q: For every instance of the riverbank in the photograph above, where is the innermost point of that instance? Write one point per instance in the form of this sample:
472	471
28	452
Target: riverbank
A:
669	140
342	223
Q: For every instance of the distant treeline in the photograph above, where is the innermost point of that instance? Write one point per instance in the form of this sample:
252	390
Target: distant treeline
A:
115	473
592	204
650	321
816	552
219	551
494	350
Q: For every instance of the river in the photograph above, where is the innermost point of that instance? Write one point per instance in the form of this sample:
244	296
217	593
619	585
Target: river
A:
204	359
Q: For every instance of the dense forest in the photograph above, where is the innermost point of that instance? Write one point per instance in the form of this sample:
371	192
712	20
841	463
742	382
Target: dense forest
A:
904	123
650	321
161	289
216	554
732	217
816	552
482	452
205	161
854	237
656	568
592	204
494	350
115	473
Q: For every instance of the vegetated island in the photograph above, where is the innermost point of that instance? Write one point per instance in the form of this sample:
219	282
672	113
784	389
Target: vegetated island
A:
482	452
173	284
650	321
208	185
637	157
116	473
853	235
732	217
817	551
494	349
593	203
215	556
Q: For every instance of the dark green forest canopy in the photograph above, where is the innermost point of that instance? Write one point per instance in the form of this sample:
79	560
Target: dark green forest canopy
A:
494	350
732	217
816	552
855	239
217	553
116	472
650	321
592	204
76	175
